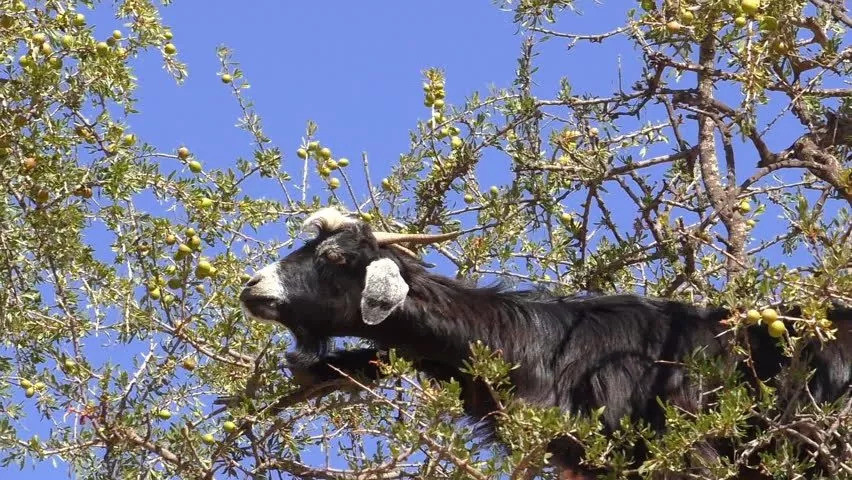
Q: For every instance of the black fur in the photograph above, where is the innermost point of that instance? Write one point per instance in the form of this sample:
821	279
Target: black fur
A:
575	353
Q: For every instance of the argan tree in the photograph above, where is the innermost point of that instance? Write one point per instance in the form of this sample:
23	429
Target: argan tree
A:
674	185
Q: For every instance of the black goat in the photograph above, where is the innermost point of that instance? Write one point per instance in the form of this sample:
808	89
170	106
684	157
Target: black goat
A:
575	353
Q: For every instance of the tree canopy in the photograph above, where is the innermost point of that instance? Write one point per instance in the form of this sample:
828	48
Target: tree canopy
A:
668	186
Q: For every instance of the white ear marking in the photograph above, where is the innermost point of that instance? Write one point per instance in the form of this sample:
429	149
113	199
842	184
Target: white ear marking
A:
384	291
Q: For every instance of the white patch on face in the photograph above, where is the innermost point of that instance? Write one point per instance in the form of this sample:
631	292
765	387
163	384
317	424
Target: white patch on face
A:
269	284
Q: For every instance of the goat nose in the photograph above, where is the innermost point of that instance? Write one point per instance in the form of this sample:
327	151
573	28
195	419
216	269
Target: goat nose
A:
254	280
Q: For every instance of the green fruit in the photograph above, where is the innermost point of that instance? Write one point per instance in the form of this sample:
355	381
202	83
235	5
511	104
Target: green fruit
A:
189	364
324	171
740	21
753	316
164	414
777	329
183	153
768	23
439	103
195	242
29	392
367	216
769	315
687	17
744	207
229	426
751	222
386	183
170	240
456	142
102	48
343	162
39	38
168	299
116	34
227	78
195	166
26	383
128	140
325	153
66	41
302	153
468	198
175	283
750	7
154	293
208	438
39	385
70	364
46	48
245	277
205	202
168	35
169	49
190	232
331	165
79	19
312	146
183	248
203	268
333	182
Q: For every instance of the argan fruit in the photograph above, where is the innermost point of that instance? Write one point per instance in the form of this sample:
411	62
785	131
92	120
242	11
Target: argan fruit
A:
46	48
116	34
687	17
175	283
208	438
468	198
102	48
29	163
751	222
168	35
325	153
169	49
227	78
26	383
494	190
195	166
42	196
189	364
245	277
203	269
750	7
386	183
128	140
673	26
29	392
66	41
331	164
183	153
195	242
229	426
753	316
199	288
205	202
164	414
744	207
79	19
333	182
456	142
69	364
439	103
566	217
190	232
302	153
343	162
39	38
184	248
740	21
154	293
314	145
769	315
777	329
170	240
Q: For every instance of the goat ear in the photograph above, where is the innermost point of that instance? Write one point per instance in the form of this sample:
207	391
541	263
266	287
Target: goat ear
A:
384	291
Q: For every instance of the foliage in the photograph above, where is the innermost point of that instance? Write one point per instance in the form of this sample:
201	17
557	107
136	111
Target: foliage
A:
657	187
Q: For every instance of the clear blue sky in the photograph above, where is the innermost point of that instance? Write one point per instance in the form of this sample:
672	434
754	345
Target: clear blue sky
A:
353	67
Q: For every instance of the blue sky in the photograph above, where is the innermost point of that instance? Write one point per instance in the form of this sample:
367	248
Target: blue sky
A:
353	67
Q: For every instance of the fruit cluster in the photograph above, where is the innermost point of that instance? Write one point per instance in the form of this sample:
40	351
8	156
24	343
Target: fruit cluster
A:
325	162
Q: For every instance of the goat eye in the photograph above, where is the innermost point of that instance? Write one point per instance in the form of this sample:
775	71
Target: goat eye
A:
335	257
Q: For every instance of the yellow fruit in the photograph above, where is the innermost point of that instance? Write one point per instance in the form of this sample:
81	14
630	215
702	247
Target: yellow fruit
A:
169	49
456	142
116	34
29	392
199	288
66	41
194	166
189	364
566	217
102	48
39	38
183	248
170	240
190	232
203	268
343	162
227	78
79	19
687	17
208	438
777	329
331	165
229	426
164	414
740	21
70	364
195	242
312	146
302	153
494	190
751	222
128	140
334	182
468	198
753	316
26	383
325	153
205	202
673	26
769	315
744	207
750	7
154	293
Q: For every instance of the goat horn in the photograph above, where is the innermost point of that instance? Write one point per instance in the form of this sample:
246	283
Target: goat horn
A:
388	238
